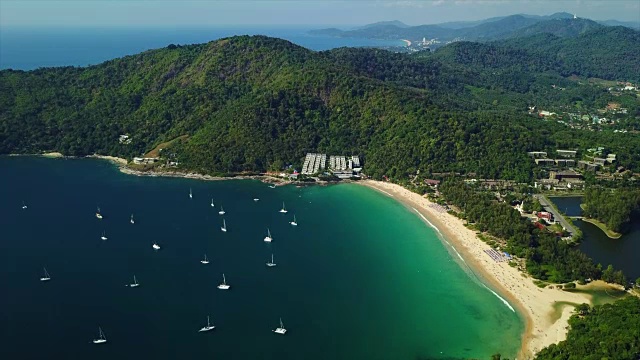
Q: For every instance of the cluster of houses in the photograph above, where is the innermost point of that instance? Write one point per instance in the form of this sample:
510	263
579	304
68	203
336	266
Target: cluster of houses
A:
624	86
313	163
609	116
564	177
561	180
565	158
344	167
145	160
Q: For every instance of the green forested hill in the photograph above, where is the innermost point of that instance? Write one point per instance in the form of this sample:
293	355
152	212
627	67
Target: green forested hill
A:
605	52
255	103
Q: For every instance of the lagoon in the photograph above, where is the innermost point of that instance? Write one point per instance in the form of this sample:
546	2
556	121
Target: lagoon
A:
622	253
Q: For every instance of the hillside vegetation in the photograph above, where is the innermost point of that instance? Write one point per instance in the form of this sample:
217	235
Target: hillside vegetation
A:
256	103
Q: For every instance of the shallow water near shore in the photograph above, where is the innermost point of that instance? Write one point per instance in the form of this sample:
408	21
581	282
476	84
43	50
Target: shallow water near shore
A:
360	277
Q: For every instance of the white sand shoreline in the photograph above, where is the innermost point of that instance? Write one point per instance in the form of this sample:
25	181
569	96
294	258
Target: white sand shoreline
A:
512	286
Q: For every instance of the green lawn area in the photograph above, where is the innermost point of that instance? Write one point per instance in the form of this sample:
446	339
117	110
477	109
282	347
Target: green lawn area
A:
610	233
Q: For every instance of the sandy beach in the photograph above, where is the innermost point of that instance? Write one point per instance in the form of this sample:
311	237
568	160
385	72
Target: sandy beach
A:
534	303
117	160
53	155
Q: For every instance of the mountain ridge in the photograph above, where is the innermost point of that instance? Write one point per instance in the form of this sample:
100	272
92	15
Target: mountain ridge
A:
491	29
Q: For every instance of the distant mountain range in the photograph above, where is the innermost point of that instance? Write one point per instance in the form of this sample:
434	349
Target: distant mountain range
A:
496	28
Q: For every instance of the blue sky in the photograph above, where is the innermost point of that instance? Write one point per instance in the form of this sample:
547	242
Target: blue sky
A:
292	12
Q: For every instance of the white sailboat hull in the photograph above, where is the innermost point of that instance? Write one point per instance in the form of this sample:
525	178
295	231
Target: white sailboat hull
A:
268	239
207	328
99	216
283	211
293	223
134	285
204	261
256	199
156	247
103	237
223	229
45	279
224	287
280	331
271	264
221	212
99	341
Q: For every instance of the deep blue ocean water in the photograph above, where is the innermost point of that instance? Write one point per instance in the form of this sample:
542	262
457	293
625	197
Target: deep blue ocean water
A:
360	277
33	47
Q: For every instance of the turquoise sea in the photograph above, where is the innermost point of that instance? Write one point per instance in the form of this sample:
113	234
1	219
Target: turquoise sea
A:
360	277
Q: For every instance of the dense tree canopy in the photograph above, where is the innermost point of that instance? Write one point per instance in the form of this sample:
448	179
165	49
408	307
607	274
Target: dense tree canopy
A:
613	207
250	102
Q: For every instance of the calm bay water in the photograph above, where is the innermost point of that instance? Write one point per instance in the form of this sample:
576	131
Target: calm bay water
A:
361	277
621	253
29	48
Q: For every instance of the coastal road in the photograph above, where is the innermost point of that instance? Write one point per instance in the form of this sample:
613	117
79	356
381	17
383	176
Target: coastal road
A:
546	204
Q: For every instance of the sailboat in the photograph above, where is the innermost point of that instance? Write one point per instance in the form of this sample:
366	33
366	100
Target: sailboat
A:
224	285
212	203
281	330
104	236
205	261
271	264
98	215
283	210
135	282
256	199
294	222
221	212
24	206
101	338
224	226
268	238
46	276
132	221
208	327
272	186
155	246
190	194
